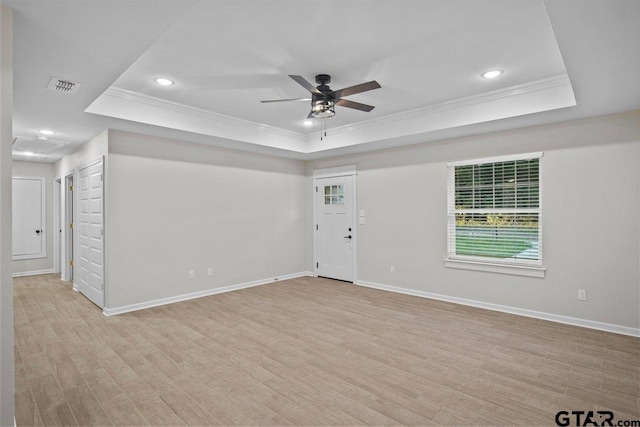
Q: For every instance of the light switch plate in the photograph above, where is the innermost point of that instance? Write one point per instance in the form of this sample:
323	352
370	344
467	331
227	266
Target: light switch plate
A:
361	220
361	212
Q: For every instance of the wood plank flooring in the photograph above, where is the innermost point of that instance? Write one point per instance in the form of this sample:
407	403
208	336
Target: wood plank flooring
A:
307	351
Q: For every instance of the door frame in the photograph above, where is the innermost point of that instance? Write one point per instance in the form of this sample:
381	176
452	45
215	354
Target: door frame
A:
68	243
336	172
57	225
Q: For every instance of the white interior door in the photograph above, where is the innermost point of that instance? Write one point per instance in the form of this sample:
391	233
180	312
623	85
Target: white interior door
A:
335	233
90	267
28	200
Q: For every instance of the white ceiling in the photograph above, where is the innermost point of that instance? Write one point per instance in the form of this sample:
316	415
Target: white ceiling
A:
561	60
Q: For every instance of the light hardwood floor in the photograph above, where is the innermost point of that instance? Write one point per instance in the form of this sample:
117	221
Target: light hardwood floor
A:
307	351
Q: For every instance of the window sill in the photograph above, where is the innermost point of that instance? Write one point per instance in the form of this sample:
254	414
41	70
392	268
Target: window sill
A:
518	270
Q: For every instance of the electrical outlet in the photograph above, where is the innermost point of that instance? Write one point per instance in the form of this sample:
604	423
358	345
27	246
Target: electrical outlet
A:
392	269
210	271
192	274
582	295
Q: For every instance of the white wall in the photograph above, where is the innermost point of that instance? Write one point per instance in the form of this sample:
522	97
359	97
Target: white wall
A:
44	170
590	197
7	408
174	207
85	154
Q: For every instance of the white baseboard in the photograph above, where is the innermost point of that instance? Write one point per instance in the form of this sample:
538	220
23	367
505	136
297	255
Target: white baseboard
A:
591	324
33	273
200	294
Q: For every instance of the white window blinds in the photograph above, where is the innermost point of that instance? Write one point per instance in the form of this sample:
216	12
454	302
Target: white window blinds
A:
494	210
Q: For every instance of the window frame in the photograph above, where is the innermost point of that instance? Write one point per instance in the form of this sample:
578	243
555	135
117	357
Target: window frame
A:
525	267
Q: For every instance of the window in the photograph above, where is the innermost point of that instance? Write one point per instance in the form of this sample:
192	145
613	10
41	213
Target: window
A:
334	195
494	210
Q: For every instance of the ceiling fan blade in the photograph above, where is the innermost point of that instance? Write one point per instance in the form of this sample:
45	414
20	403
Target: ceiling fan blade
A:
286	100
352	90
310	115
354	105
305	84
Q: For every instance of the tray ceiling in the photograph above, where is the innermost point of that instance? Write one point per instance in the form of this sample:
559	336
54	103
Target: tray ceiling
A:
225	57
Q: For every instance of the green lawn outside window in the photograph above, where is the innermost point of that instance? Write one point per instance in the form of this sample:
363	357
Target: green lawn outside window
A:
494	210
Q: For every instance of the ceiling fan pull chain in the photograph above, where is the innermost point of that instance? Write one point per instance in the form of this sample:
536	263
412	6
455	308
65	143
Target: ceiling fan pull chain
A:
323	128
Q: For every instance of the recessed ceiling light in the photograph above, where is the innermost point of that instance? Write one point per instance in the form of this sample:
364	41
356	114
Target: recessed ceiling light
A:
491	74
27	153
46	132
308	122
163	81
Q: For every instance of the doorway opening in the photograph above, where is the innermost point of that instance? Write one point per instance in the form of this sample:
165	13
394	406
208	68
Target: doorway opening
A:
67	229
57	226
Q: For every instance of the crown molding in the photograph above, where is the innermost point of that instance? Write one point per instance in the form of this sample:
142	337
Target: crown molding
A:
533	97
546	84
527	98
215	118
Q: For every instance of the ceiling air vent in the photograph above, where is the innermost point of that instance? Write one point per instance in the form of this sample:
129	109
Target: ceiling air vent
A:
63	86
32	145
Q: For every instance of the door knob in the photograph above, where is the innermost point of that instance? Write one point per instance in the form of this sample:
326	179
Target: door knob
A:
37	231
347	237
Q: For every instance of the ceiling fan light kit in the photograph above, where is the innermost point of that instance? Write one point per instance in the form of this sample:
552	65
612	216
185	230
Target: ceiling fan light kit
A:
323	109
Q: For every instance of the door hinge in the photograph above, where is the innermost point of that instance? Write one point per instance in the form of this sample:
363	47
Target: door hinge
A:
71	225
317	265
316	188
316	226
71	263
71	188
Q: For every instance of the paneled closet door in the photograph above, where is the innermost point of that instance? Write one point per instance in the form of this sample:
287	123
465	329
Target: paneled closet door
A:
29	239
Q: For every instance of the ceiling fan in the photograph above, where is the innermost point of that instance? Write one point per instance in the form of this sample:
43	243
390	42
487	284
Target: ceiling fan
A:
323	99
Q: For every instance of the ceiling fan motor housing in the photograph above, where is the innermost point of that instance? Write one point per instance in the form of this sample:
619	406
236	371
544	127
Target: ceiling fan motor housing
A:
323	103
323	79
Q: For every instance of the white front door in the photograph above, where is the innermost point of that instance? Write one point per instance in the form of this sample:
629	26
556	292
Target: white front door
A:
334	234
28	217
90	268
